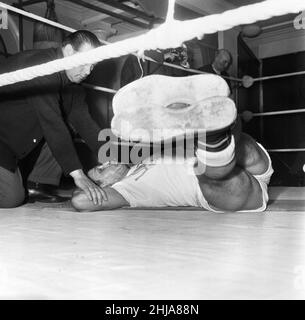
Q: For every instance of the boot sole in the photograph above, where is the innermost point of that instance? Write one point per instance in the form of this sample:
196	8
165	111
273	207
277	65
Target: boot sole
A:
144	110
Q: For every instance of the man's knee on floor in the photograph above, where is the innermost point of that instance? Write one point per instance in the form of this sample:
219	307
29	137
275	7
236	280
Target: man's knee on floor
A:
12	193
12	199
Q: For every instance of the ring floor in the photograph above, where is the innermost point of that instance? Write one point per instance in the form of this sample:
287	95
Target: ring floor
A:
55	253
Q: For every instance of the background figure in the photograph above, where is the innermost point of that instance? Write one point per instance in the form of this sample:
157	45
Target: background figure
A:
45	177
221	64
36	112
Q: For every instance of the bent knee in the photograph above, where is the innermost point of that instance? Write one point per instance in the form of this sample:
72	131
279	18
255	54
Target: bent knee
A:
241	192
250	156
249	196
252	203
12	200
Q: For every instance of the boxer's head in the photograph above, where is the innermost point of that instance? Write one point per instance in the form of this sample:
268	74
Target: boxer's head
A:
223	60
79	41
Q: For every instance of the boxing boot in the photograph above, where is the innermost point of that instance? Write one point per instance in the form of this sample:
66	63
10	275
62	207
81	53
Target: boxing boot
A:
159	108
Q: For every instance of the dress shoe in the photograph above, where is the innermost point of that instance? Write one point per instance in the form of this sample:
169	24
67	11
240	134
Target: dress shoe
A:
43	193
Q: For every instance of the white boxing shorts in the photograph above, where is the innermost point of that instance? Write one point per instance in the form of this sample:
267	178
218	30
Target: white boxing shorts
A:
167	183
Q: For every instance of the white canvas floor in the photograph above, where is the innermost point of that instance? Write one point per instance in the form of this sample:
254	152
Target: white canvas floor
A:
55	253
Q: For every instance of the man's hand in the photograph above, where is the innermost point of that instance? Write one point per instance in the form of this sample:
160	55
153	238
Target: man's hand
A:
94	193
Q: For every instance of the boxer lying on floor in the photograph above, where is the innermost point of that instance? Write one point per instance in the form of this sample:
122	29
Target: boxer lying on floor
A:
236	169
239	185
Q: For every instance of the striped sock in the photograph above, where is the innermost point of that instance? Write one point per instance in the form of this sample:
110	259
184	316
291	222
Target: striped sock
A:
221	156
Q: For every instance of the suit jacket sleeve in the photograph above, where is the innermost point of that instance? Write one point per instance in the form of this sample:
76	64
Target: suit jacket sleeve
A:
131	70
53	126
76	107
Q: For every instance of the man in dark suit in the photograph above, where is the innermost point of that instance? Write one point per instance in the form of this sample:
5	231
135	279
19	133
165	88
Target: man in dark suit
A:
35	112
220	65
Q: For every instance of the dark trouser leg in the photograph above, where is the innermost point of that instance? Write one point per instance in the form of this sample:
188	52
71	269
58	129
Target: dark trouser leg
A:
12	192
41	167
46	169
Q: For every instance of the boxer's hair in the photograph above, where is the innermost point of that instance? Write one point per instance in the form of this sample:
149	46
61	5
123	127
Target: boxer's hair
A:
79	38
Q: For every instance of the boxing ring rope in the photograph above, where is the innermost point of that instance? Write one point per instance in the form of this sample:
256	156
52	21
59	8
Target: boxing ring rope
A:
248	115
171	34
66	28
36	17
284	75
248	81
158	39
69	29
286	150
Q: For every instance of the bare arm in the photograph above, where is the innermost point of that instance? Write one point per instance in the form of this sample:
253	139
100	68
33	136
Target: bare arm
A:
80	201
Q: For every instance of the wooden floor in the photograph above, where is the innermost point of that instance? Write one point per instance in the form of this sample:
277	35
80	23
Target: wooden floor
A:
55	253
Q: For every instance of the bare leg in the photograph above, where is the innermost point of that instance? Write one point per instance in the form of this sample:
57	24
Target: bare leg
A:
80	202
233	187
250	156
